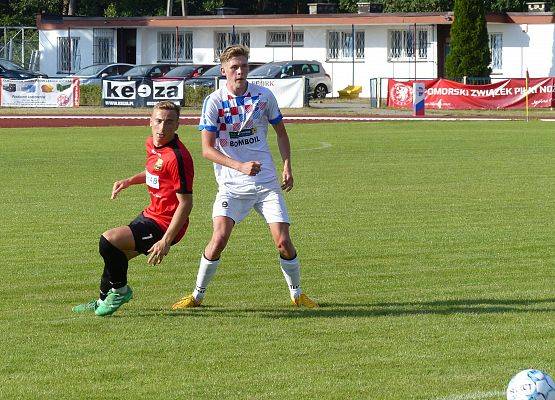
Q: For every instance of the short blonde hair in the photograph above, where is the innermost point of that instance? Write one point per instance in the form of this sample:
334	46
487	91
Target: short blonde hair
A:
236	50
168	105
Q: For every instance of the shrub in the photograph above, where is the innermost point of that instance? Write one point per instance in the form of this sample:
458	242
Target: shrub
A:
194	97
91	95
469	55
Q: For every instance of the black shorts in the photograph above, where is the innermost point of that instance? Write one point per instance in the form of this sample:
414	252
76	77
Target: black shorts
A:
146	232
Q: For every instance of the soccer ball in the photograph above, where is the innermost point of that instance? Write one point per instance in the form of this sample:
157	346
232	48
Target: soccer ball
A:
531	384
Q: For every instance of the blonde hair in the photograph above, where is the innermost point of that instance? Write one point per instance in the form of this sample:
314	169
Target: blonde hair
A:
236	50
168	105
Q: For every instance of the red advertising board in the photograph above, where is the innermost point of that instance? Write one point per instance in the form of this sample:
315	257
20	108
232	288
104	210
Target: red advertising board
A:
449	95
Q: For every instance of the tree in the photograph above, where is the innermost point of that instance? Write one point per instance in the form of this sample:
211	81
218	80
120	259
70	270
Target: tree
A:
23	12
470	54
417	5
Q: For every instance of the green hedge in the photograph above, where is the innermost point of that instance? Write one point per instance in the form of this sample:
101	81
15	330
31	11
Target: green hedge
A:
91	95
194	97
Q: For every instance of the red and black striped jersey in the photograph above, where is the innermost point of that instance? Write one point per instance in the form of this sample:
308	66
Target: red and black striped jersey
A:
169	170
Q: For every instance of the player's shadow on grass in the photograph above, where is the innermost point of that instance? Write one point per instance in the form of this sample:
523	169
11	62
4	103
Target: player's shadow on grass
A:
385	309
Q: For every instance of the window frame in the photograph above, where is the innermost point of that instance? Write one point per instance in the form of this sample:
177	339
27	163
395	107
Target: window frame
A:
339	48
230	37
64	66
103	54
185	50
496	67
298	38
401	44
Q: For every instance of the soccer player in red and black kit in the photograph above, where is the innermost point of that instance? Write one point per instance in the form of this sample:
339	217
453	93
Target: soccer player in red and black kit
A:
169	179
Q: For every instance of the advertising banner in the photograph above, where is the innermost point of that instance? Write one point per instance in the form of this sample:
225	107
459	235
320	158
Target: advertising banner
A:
450	95
39	92
140	92
289	92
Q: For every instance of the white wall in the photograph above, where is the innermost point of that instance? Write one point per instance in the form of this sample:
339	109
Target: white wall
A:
48	46
524	46
539	57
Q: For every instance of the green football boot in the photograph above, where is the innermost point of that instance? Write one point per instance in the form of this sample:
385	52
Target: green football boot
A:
113	301
85	307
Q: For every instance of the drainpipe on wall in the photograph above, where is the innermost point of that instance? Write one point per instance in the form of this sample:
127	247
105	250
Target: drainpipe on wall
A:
176	45
69	47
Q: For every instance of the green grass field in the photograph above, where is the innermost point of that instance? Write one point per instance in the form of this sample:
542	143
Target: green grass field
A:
430	247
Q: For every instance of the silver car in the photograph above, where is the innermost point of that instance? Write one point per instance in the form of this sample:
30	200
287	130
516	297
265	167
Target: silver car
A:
318	81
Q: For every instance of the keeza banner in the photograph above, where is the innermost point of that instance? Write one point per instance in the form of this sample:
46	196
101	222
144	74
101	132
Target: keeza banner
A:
39	92
450	95
289	92
140	92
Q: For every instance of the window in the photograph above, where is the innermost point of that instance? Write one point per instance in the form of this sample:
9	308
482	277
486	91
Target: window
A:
340	45
167	46
224	39
69	56
403	43
283	38
103	46
496	49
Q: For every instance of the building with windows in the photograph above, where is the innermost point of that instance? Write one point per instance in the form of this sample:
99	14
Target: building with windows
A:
353	48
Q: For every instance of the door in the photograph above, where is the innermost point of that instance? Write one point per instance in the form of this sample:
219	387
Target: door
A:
127	46
443	39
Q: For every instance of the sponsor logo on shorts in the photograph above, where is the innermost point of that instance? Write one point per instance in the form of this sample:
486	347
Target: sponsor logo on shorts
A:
147	237
224	204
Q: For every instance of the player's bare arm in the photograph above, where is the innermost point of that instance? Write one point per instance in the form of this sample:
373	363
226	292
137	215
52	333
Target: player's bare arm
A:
125	183
210	153
161	248
285	151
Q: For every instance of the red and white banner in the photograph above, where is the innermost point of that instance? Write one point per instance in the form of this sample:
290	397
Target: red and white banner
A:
39	92
449	95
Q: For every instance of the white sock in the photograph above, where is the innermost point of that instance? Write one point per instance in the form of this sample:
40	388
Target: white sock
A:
206	271
121	290
292	274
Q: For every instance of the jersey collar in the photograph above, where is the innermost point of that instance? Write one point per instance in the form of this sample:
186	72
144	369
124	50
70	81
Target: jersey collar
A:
170	143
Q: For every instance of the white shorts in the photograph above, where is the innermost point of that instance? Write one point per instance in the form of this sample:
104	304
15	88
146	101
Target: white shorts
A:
269	203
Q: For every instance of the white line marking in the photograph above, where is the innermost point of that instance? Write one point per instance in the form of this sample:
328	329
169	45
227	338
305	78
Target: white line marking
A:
362	119
473	396
293	118
323	145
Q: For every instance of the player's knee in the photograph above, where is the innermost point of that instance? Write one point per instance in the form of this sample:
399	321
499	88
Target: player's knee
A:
107	249
285	247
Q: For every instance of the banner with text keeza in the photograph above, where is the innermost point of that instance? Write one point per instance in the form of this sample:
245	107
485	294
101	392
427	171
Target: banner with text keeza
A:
140	92
289	92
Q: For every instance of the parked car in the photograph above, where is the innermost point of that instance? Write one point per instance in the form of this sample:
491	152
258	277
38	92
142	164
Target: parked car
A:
318	81
207	79
187	71
93	74
11	70
145	71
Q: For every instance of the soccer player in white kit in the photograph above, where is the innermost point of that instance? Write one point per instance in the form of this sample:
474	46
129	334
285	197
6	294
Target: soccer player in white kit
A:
234	125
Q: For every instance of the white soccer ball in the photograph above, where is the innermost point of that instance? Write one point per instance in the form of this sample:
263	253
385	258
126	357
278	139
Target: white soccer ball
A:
531	384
